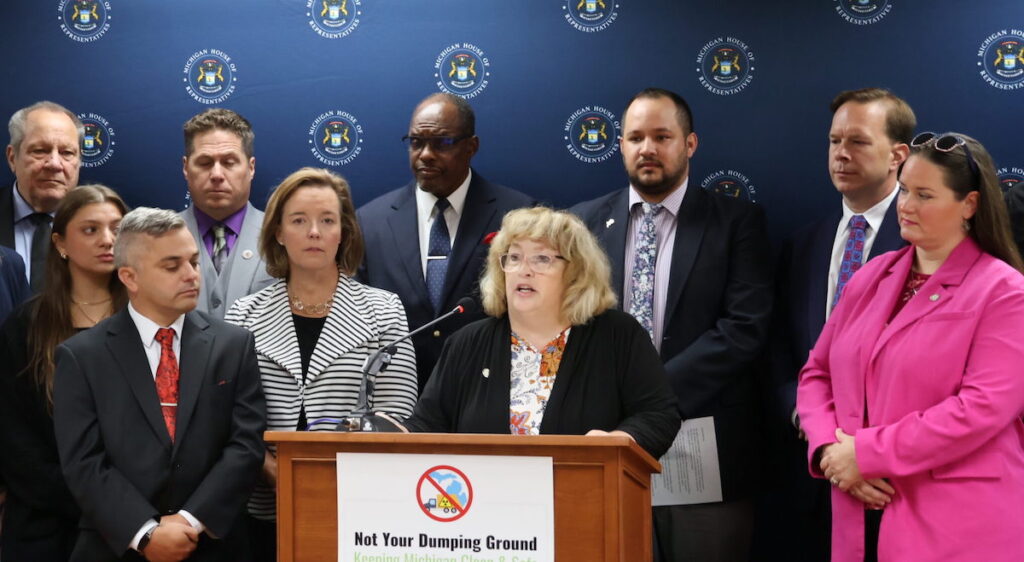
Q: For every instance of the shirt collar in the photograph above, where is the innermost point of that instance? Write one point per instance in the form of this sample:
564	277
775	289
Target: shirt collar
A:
147	328
205	222
671	203
457	199
875	215
21	207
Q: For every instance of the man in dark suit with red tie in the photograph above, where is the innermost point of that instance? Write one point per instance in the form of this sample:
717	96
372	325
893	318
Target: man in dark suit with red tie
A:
868	141
158	410
430	263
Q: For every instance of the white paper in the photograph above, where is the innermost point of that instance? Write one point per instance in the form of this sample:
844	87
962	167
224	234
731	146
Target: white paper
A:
445	507
689	470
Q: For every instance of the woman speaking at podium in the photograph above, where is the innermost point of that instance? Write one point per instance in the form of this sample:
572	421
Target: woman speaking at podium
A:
554	357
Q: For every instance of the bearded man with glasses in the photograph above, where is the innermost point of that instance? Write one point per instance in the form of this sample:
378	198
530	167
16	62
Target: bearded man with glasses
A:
425	240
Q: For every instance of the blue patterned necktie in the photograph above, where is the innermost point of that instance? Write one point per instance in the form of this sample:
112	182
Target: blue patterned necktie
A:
438	248
641	304
853	254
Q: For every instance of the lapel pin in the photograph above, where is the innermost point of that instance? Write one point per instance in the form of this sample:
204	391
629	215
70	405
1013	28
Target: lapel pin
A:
608	223
486	372
247	255
934	297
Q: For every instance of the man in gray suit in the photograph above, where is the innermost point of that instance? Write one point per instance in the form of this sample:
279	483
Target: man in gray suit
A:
219	166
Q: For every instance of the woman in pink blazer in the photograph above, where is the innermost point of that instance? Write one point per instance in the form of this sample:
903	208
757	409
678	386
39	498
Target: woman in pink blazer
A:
912	397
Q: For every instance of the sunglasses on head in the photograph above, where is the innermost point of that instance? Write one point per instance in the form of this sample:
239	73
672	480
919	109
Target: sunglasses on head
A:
947	142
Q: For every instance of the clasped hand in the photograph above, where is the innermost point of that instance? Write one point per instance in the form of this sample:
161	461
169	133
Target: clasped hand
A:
173	540
839	464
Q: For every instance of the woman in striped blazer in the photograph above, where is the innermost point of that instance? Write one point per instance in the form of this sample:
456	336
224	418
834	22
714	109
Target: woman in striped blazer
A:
315	326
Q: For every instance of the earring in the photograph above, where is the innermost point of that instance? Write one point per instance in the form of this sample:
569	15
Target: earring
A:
63	256
967	225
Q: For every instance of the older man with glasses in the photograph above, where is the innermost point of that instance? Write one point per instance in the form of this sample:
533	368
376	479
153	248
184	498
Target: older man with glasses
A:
449	208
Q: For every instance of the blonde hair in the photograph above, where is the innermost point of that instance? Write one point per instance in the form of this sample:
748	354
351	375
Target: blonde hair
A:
587	274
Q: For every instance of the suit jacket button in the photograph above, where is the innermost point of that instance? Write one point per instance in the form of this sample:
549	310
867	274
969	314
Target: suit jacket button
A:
437	333
215	303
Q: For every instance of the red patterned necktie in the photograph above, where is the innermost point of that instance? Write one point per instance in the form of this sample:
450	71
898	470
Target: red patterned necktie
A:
167	378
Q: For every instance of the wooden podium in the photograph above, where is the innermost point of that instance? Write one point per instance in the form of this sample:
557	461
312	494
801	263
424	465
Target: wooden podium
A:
602	488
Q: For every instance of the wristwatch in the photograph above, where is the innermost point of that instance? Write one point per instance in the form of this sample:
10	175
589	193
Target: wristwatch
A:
144	541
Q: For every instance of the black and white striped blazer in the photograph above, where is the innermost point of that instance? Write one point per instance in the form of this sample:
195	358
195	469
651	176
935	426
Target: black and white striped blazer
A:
361	320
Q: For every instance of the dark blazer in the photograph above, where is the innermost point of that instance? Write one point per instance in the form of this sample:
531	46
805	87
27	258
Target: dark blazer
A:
1015	205
801	292
392	261
40	516
116	454
610	377
717	315
7	216
13	283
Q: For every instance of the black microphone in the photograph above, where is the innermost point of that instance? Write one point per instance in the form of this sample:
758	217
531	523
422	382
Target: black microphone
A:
361	418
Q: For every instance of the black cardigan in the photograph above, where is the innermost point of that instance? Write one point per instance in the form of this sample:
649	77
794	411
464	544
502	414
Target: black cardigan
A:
610	378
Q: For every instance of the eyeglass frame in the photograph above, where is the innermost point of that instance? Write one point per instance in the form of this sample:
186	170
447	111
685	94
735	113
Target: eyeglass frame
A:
935	139
437	144
527	260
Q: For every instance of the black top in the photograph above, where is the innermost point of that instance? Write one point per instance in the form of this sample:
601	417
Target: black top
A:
41	517
610	378
307	331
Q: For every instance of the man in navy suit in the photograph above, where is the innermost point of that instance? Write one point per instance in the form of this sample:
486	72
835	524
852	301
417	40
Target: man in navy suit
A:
431	264
868	141
158	410
694	268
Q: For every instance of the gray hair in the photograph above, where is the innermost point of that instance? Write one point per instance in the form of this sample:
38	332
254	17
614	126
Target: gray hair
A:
16	126
143	220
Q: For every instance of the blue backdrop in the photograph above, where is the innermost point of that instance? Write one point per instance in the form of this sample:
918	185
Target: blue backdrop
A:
540	74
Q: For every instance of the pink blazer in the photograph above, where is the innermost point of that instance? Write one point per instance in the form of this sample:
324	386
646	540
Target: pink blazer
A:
943	386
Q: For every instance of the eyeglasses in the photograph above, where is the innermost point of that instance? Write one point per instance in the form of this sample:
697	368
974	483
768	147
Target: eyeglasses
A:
539	263
947	142
437	144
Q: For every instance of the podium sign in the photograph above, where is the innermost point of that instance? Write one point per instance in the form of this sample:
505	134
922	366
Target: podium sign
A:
441	507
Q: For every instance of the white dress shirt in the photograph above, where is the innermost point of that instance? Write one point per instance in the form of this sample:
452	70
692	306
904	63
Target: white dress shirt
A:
665	223
425	216
147	332
874	217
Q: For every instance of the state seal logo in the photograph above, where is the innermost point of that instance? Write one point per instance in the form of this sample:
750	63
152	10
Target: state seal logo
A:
1008	177
210	76
98	142
725	66
591	134
590	16
333	19
462	69
1001	59
84	20
730	183
862	12
335	138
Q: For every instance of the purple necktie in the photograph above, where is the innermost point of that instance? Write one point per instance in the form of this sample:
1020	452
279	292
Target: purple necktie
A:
853	254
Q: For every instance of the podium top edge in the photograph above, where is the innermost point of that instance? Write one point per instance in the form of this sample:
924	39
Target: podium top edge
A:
554	441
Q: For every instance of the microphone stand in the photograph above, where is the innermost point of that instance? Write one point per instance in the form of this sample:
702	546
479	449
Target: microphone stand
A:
362	418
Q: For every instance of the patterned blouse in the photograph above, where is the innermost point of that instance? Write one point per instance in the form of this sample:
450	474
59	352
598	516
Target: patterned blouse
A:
532	376
914	282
